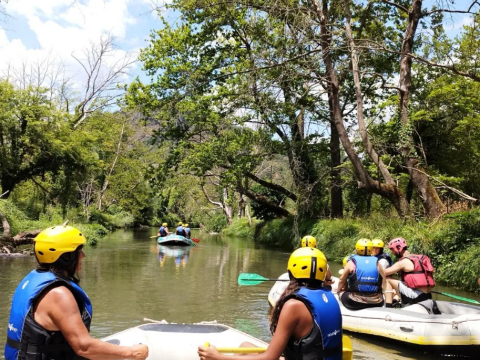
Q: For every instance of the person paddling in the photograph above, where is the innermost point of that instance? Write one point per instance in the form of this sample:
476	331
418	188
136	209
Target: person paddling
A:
306	322
51	314
187	231
163	231
416	273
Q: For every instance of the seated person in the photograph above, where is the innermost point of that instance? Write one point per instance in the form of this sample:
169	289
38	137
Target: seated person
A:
163	231
363	279
383	258
416	274
180	230
187	231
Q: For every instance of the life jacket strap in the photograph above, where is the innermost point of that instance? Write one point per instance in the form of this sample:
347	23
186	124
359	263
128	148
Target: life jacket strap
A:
37	348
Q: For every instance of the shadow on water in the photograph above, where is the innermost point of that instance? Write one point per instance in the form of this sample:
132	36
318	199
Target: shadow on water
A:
129	277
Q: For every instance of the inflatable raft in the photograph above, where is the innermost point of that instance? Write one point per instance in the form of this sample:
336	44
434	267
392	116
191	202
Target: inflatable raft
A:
455	331
176	240
180	341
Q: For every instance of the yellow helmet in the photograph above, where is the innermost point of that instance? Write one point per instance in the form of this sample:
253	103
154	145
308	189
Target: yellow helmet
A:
180	223
186	225
309	241
51	243
378	243
308	263
364	247
345	261
164	224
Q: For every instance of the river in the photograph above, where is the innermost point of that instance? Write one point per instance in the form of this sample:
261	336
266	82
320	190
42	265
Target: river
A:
128	278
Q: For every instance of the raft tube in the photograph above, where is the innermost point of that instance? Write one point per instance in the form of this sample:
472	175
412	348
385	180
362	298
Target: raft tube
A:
175	240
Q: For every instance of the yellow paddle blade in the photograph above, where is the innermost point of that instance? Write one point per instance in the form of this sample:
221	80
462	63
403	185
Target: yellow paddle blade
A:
347	348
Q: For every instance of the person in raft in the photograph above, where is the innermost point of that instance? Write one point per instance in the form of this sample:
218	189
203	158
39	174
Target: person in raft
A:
310	241
163	231
180	230
378	251
51	314
416	272
306	322
363	279
188	231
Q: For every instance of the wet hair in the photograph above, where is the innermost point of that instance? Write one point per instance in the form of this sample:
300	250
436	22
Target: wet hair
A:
65	266
293	286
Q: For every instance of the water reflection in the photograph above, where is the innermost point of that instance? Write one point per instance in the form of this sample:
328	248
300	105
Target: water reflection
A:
180	254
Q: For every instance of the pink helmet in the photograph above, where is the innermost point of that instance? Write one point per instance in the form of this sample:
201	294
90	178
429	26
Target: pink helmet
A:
397	245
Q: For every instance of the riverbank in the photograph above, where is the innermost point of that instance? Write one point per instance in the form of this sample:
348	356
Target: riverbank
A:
20	222
453	243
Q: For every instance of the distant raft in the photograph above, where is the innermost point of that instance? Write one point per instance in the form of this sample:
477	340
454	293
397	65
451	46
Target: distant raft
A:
455	332
176	240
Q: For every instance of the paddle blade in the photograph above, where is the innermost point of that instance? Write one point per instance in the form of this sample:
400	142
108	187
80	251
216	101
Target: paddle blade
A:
250	279
196	240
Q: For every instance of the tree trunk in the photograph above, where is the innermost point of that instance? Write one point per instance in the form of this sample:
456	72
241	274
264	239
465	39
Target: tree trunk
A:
434	207
227	209
336	197
241	206
107	179
247	212
5	225
389	191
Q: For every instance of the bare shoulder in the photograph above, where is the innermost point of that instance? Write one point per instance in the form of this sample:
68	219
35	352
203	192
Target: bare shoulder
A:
59	295
293	305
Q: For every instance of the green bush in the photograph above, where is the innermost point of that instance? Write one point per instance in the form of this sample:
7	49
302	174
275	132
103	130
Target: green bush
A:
216	223
241	228
452	243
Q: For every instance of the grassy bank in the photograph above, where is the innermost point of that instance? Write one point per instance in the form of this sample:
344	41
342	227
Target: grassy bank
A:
20	222
452	243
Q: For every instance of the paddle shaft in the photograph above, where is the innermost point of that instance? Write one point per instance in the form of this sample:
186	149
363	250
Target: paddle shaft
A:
456	297
239	350
257	280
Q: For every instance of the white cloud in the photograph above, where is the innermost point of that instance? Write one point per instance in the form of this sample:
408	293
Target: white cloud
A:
458	25
63	28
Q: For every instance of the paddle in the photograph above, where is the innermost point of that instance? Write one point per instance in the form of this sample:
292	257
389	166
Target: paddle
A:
254	279
153	237
347	353
456	297
239	350
196	240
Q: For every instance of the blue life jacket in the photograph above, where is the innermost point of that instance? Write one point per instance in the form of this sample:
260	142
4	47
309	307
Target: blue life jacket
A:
366	278
181	231
325	339
162	232
385	256
26	339
188	232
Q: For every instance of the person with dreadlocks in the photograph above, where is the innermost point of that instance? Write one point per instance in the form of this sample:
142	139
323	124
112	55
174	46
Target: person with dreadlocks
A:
51	314
306	322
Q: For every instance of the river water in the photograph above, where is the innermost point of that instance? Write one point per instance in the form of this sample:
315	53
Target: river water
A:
128	278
